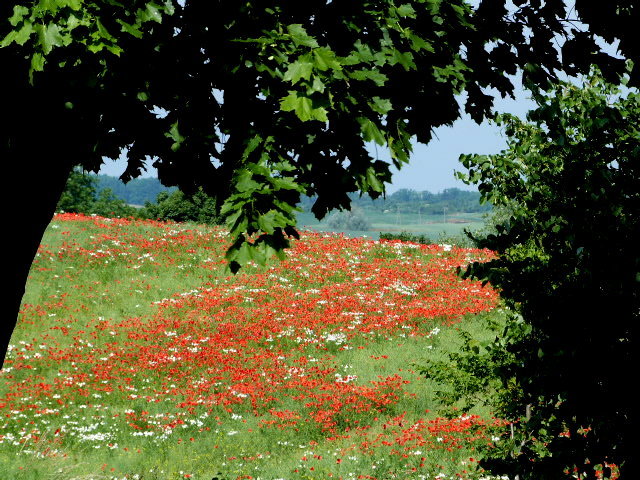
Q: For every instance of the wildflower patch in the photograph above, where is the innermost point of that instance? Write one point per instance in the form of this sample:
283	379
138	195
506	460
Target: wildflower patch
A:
134	346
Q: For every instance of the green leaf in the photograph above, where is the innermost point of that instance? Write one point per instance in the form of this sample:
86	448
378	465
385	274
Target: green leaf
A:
258	168
169	7
270	220
236	220
300	36
290	103
18	14
303	107
301	68
373	181
418	43
399	152
104	33
316	86
325	59
72	4
37	62
370	131
37	65
246	183
73	22
244	254
254	143
320	114
20	36
96	47
150	13
373	75
48	5
405	59
174	134
406	10
361	55
286	183
380	58
49	36
380	105
115	49
130	29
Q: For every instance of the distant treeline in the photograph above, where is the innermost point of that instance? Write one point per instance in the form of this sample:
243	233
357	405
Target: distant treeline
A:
405	200
139	191
93	194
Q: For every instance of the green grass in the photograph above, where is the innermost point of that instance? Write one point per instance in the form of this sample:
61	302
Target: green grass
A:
433	226
95	286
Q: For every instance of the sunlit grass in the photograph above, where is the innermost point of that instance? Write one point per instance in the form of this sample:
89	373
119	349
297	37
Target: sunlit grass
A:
137	356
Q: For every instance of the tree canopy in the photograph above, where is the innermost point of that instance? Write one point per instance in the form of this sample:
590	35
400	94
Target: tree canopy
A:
259	102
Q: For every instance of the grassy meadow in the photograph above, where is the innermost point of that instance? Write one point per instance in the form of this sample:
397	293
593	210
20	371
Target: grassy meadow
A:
137	357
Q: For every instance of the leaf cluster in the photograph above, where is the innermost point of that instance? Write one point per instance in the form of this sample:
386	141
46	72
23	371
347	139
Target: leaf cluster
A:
78	26
568	262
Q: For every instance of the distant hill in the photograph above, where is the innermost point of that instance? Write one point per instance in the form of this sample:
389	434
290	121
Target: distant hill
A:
136	192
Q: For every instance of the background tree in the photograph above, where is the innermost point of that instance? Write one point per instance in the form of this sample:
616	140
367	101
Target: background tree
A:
178	207
106	204
79	193
353	219
568	263
258	102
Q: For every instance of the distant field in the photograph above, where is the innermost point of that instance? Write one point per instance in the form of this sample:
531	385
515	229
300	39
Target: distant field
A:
136	357
430	225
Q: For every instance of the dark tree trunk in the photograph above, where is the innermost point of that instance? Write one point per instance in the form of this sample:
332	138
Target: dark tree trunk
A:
37	151
36	185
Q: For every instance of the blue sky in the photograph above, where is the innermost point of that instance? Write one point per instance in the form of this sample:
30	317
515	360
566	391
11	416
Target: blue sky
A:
431	166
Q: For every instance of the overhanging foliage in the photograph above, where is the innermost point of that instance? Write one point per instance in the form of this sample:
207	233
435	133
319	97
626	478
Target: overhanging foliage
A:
263	101
569	264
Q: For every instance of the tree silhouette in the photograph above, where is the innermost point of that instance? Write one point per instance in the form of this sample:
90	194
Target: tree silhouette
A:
567	263
258	102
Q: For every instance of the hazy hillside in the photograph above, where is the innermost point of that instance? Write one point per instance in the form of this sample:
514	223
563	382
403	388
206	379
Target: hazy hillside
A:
136	192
